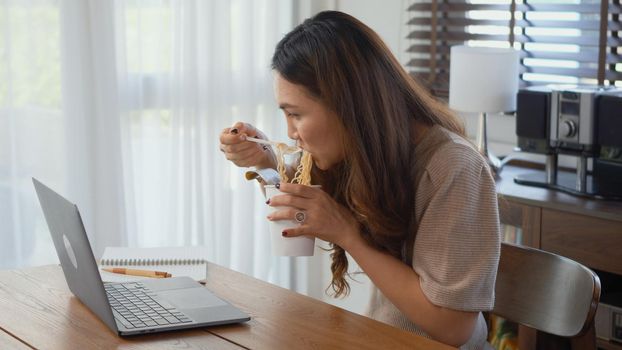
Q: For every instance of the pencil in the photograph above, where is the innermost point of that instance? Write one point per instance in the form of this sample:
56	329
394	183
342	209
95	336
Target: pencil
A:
134	272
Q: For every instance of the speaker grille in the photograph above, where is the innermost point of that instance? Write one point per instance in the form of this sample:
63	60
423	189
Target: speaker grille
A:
610	120
532	114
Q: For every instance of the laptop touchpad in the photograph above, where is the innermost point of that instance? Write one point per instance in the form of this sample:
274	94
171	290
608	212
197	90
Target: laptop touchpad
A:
191	298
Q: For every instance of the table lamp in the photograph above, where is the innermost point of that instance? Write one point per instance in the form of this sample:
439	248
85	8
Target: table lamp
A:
483	80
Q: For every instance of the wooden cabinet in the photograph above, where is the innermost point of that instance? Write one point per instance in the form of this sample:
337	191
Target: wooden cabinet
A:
586	230
526	217
594	242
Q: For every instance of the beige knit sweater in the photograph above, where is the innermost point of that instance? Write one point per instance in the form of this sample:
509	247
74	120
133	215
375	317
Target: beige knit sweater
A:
456	249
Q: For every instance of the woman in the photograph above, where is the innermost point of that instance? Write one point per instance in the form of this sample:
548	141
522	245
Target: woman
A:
403	192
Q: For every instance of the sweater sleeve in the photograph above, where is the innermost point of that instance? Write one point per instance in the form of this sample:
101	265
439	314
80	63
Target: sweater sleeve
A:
456	249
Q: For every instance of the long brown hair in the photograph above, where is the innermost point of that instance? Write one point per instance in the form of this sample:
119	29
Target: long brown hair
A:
347	67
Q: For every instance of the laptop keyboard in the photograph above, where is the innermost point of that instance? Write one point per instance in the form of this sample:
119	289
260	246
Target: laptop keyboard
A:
134	307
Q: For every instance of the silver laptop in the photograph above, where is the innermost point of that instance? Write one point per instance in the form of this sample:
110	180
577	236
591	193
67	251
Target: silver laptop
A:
147	306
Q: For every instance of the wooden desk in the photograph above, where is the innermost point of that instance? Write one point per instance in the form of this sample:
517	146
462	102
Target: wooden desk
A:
586	230
8	342
38	310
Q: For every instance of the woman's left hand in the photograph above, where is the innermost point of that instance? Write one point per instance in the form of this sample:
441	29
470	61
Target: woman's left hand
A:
324	218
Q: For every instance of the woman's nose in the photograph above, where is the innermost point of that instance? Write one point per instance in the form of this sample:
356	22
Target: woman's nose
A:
292	133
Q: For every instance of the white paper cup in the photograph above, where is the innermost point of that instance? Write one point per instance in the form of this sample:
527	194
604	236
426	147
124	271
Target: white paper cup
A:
287	246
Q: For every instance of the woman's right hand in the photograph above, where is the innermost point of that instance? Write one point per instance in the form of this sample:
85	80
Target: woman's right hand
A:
246	153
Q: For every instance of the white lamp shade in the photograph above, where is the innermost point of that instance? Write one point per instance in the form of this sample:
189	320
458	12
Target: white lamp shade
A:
483	79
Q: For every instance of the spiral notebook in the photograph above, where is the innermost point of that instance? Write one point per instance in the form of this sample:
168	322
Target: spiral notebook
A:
178	261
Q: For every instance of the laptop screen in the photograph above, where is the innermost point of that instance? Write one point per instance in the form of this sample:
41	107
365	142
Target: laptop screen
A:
74	252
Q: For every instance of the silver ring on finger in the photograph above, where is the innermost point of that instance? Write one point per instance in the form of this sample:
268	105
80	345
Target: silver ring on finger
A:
300	217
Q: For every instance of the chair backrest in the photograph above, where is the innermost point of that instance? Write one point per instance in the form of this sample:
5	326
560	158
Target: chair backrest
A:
545	291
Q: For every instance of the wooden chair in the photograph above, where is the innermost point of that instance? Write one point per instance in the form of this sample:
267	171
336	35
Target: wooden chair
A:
547	292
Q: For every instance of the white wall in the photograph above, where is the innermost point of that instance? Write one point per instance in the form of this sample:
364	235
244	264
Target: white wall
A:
385	17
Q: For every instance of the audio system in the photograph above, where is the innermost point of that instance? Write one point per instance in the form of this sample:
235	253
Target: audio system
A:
584	122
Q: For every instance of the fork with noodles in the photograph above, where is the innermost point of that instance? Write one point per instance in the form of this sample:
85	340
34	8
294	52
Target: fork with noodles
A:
303	171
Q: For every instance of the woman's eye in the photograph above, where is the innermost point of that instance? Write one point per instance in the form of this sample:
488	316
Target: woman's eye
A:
292	115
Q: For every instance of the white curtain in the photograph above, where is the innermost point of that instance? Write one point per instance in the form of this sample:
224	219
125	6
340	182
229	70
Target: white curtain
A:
118	105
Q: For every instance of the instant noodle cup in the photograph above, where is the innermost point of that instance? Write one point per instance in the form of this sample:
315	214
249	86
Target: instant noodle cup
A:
287	246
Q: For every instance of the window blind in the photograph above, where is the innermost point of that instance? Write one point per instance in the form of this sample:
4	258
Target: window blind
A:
560	41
